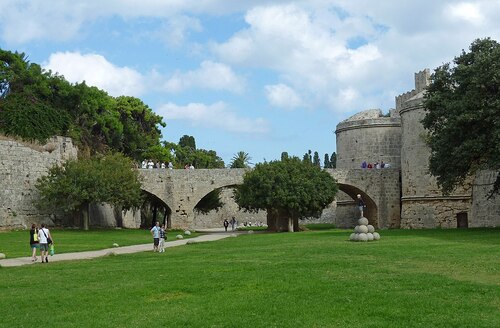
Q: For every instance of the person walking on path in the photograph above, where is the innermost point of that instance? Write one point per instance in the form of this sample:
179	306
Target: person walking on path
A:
233	223
226	224
34	242
155	231
361	205
163	236
45	239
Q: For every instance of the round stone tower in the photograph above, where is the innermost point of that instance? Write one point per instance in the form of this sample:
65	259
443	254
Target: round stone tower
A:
369	137
423	204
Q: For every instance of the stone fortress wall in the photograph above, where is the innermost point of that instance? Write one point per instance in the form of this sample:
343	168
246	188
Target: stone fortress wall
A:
399	139
414	199
21	164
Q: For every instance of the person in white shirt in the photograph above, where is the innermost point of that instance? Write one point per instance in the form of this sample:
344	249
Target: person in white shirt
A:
45	239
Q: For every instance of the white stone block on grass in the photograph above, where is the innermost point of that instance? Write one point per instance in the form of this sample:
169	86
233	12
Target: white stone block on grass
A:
187	233
2	256
115	245
179	237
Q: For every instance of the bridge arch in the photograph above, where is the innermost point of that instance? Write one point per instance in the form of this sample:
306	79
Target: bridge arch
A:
158	208
371	210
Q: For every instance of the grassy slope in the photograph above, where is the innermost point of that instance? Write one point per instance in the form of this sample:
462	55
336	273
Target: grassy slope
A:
434	278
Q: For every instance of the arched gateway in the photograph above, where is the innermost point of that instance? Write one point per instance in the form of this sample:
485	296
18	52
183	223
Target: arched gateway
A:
181	190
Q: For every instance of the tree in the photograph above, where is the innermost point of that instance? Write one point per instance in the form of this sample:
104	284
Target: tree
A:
316	160
78	183
307	158
28	94
288	190
187	142
462	106
326	164
240	160
333	161
140	127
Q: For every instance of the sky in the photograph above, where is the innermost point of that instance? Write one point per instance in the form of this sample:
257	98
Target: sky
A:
257	76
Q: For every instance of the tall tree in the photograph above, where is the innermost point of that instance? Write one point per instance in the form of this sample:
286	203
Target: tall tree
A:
333	160
462	106
316	160
78	183
326	163
240	160
27	99
307	158
287	190
187	142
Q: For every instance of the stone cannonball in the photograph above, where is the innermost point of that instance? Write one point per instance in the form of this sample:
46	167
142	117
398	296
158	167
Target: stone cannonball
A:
179	237
371	228
356	229
363	221
370	236
187	233
363	229
376	236
363	237
352	237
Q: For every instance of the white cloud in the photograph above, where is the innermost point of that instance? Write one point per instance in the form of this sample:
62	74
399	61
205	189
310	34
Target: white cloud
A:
210	75
24	21
467	11
305	51
217	116
177	28
95	70
281	95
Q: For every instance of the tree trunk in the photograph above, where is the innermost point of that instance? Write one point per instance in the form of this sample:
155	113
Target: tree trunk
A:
85	218
290	224
155	215
272	220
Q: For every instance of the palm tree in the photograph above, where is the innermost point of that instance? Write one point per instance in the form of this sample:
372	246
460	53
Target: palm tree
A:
240	160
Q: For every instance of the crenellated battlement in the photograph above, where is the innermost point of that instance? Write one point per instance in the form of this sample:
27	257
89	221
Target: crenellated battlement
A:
422	80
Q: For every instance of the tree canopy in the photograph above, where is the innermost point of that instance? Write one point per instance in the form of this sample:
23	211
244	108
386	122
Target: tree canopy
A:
462	106
289	189
78	183
241	160
36	104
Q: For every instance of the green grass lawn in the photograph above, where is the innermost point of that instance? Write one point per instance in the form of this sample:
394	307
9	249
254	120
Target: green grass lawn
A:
410	278
16	243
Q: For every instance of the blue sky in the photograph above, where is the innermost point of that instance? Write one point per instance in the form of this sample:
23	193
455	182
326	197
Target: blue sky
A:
256	76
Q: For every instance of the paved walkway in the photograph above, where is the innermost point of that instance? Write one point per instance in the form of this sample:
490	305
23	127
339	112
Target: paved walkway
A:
18	261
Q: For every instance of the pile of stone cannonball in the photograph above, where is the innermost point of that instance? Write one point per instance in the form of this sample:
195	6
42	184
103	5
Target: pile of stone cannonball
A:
364	231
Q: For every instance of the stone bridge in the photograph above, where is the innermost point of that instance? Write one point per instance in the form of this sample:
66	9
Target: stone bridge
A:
181	190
